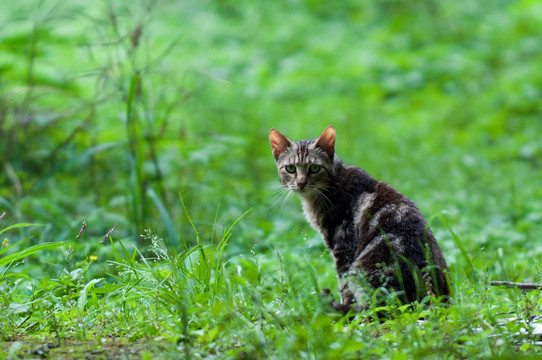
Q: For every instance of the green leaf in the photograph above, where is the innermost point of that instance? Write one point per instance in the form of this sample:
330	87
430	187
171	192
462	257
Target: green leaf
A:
9	259
18	226
82	302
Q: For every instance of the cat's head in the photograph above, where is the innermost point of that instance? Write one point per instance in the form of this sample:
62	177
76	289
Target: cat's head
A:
307	166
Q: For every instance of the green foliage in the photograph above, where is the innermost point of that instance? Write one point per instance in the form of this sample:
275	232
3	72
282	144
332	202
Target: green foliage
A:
108	110
8	260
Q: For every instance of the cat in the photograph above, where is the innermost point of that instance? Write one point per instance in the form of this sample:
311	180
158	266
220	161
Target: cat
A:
378	237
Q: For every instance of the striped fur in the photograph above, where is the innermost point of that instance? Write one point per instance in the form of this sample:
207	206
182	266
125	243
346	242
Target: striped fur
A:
377	236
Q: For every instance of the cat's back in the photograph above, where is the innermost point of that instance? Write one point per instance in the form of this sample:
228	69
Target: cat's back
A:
384	219
353	179
376	207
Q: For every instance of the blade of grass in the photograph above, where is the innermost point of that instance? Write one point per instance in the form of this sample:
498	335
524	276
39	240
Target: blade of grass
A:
18	226
11	246
10	259
220	252
136	151
166	219
457	241
198	239
199	246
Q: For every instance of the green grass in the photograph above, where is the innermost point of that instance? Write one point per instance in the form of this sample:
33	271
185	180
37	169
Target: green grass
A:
110	110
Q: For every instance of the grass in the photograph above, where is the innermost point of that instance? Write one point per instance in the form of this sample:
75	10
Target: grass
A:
111	109
249	306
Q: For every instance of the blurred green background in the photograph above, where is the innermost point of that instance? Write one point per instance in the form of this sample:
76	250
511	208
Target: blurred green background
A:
110	109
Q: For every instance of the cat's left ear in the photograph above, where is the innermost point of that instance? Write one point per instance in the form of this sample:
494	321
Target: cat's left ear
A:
326	141
279	142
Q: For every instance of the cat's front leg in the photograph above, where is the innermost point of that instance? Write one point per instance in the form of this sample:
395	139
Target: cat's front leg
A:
354	295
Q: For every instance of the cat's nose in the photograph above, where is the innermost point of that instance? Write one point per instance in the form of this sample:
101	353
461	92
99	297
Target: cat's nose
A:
301	183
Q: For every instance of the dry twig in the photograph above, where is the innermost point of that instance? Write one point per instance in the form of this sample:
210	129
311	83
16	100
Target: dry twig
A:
517	285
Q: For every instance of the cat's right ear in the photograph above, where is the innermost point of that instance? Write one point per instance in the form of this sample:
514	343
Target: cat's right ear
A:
279	142
326	141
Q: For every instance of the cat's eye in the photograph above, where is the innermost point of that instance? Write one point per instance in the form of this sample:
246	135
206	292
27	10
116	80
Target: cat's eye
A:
290	168
314	168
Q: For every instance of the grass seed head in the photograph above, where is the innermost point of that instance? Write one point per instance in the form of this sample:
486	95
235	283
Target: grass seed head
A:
109	233
83	226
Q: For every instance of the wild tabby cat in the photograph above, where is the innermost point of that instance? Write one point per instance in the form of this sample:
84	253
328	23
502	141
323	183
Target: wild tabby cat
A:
377	236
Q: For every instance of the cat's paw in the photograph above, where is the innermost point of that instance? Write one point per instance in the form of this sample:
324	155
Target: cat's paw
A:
342	308
328	298
326	295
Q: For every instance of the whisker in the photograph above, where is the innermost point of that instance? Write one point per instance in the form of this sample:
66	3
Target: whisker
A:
322	199
280	198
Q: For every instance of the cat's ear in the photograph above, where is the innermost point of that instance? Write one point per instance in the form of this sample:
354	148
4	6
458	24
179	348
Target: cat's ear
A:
326	141
279	142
